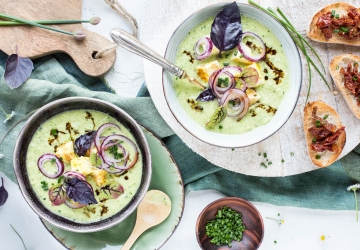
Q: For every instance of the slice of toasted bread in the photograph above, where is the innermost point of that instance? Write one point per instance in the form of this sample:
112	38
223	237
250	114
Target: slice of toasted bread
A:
336	64
326	157
314	33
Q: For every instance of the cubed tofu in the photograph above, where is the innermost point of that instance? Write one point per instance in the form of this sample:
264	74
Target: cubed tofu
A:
253	96
82	165
99	176
66	151
204	71
240	59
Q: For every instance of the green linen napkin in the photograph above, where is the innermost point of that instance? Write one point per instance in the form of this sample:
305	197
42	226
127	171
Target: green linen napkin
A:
57	77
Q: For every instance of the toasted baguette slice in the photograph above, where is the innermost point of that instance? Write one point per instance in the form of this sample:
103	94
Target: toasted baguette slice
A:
314	33
327	157
336	64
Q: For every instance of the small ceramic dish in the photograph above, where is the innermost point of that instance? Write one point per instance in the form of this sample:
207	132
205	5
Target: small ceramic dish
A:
253	234
75	103
283	112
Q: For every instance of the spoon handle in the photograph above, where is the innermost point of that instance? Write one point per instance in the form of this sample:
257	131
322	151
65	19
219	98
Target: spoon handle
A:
139	228
130	43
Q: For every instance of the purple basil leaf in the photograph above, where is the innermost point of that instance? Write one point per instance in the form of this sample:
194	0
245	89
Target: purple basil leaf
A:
17	70
83	143
226	30
112	190
3	193
80	191
206	96
57	195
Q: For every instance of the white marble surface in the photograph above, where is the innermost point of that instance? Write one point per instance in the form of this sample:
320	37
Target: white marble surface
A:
302	228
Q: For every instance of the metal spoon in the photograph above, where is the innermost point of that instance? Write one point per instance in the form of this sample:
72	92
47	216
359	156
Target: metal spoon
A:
152	210
130	43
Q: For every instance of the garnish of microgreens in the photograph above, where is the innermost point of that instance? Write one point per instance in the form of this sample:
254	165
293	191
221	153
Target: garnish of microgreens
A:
354	188
7	116
278	220
299	40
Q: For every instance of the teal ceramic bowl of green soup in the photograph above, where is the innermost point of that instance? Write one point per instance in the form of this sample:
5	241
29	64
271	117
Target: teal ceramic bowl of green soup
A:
82	164
250	67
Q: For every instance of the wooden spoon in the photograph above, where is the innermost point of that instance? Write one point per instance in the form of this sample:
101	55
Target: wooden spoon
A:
152	210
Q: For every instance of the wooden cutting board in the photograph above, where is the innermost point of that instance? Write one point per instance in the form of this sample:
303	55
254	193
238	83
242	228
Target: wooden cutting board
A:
34	42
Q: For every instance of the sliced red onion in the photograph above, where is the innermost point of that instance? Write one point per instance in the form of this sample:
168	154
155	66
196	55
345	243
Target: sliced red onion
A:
51	157
229	72
100	130
74	174
127	140
72	204
242	103
207	46
246	51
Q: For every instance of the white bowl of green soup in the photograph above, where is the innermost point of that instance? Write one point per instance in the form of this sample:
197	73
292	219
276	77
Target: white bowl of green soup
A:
82	164
251	69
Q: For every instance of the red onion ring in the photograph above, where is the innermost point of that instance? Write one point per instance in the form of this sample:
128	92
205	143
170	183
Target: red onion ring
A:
120	138
244	49
100	130
74	205
49	157
242	108
74	174
213	80
207	45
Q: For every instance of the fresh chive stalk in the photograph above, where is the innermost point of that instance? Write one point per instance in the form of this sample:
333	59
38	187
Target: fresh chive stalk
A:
299	40
13	23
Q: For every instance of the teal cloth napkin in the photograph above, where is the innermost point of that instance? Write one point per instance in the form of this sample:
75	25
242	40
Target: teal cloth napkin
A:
57	77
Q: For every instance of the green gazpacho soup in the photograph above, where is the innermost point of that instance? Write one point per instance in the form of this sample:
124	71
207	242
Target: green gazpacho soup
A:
265	96
57	136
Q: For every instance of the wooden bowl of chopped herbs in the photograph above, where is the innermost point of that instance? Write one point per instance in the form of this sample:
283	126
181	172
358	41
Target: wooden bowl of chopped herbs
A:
230	223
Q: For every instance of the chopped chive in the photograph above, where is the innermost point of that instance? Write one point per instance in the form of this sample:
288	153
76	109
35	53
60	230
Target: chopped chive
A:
337	16
318	124
317	157
235	53
325	116
53	160
275	241
265	155
344	29
336	31
354	78
54	132
292	153
332	13
220	127
282	160
263	165
269	163
226	64
314	140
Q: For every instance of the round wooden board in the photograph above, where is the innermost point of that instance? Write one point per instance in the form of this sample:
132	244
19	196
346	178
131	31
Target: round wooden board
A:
288	143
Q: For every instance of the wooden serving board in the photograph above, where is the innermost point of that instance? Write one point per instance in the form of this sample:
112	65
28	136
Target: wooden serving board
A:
289	142
34	42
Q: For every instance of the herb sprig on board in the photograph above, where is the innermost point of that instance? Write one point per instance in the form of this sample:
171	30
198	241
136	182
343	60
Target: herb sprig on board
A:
299	40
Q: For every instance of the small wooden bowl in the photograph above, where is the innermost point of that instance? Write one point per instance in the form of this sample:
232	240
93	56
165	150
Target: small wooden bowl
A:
253	234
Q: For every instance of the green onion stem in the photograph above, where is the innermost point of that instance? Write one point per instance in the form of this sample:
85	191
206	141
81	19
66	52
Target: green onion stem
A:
290	28
34	24
11	23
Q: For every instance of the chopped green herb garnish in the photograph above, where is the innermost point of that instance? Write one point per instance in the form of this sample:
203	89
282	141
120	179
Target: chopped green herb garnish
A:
232	149
61	159
344	29
265	155
60	179
226	227
292	153
317	157
259	154
226	64
354	78
318	124
355	63
263	165
275	241
332	13
337	16
44	185
270	163
278	214
220	127
114	151
325	116
282	160
53	160
314	140
336	31
54	132
337	67
235	53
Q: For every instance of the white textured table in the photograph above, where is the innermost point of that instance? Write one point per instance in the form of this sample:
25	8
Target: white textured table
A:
302	228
